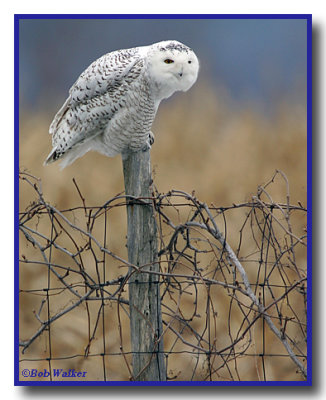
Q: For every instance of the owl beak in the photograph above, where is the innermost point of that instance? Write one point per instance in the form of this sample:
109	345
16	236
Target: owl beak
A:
180	72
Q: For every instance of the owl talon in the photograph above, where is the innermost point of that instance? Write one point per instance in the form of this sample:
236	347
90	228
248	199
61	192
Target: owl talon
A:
151	138
149	142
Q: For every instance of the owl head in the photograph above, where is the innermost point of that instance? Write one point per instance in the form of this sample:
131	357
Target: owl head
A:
172	67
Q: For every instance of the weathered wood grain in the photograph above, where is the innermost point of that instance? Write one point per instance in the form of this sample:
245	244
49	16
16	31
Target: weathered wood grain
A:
144	289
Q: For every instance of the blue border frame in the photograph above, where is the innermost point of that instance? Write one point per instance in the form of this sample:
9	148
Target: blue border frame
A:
17	18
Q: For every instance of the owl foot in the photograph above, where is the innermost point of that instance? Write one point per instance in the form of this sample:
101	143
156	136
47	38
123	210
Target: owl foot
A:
149	142
151	138
146	147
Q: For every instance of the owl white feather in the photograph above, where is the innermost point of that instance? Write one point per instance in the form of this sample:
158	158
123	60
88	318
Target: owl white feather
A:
112	105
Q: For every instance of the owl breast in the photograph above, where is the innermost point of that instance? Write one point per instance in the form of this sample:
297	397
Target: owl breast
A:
131	124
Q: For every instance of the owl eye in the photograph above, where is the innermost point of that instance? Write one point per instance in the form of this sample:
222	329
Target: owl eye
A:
189	62
168	61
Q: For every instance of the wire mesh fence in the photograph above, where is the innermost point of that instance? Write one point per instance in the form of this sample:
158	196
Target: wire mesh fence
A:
233	287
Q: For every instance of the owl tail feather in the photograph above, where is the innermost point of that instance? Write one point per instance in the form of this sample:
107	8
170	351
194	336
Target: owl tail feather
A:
69	155
53	156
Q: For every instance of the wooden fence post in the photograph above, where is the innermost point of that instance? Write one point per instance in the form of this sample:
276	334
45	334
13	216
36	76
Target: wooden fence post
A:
144	289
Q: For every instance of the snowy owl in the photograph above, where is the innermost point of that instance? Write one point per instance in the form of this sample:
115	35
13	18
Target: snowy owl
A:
112	105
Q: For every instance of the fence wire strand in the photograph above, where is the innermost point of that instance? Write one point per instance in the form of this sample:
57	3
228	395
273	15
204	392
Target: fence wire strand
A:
233	301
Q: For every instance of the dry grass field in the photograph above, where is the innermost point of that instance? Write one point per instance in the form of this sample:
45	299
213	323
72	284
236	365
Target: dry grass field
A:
203	143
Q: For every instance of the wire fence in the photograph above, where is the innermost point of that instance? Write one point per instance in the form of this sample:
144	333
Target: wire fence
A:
233	288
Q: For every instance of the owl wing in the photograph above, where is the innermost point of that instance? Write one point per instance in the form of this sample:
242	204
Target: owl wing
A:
85	111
